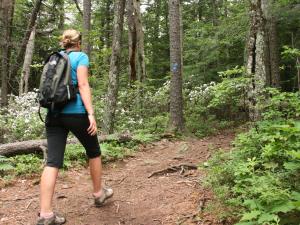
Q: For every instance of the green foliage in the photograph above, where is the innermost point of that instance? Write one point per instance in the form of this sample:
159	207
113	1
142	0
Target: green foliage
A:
217	41
289	52
259	178
19	120
26	164
282	105
74	156
210	107
5	165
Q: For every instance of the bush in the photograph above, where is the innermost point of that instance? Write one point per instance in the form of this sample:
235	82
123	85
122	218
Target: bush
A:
74	156
19	121
5	165
259	179
211	107
26	164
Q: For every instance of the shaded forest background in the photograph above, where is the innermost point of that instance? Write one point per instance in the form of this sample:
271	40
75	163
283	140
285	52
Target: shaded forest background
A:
240	66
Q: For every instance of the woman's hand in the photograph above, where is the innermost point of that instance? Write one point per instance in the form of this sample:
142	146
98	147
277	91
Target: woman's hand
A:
92	130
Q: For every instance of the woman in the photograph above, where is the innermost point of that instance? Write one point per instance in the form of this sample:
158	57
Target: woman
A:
77	117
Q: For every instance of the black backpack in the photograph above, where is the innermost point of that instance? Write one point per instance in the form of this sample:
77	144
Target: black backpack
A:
56	87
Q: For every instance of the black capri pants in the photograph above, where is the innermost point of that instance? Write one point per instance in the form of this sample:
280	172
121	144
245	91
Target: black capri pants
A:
57	129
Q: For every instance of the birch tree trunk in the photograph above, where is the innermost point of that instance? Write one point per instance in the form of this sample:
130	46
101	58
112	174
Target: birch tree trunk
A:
176	99
113	84
86	46
256	57
7	11
27	62
20	54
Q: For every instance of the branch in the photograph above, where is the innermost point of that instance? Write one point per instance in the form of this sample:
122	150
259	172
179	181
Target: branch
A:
77	6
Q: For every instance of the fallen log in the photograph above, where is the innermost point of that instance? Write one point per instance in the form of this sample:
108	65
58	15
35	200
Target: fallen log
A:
40	146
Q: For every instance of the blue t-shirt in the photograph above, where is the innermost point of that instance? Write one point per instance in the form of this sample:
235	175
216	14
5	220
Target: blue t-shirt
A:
76	59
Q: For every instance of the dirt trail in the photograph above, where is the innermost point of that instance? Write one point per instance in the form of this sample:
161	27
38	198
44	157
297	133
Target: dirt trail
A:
169	199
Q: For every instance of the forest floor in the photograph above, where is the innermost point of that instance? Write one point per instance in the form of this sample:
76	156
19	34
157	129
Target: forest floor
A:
169	197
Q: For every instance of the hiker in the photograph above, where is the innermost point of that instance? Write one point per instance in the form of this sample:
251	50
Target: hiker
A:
78	117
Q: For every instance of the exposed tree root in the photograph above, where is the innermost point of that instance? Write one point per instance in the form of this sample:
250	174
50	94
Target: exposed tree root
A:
182	168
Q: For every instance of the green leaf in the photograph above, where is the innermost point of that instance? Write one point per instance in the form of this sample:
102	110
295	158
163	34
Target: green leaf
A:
295	195
266	217
251	204
295	154
246	223
6	167
251	215
286	207
292	165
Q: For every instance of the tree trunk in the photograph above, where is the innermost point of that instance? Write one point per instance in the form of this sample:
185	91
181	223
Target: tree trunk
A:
256	57
137	68
273	73
215	12
20	54
113	84
61	7
86	27
176	99
105	24
27	62
132	41
156	30
33	146
7	11
140	37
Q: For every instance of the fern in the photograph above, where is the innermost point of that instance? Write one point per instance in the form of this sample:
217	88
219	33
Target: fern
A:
5	164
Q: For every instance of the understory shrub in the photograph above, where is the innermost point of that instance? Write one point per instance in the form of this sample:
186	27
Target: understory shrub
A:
19	121
214	106
259	179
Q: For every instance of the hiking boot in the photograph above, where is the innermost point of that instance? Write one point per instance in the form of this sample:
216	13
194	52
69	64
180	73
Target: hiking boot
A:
106	194
56	219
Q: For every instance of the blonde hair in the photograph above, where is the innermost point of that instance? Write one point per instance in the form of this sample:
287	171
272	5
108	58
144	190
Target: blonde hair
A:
70	38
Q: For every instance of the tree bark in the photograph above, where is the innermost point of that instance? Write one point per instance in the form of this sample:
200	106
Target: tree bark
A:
27	62
132	41
176	122
140	37
34	146
156	30
86	27
105	23
272	60
113	84
7	11
256	57
61	7
20	54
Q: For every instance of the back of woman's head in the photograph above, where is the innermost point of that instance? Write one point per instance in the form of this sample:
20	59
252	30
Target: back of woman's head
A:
70	38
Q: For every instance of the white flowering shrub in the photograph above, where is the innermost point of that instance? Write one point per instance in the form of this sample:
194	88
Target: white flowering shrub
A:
19	120
143	107
207	108
212	106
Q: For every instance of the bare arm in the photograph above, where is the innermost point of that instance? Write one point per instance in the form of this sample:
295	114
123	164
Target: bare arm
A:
85	93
